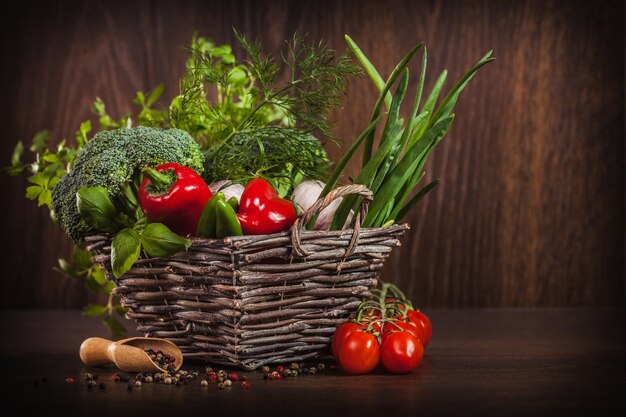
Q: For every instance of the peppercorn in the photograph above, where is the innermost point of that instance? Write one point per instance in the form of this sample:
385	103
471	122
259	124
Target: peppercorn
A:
221	374
91	384
244	378
312	370
287	372
245	385
70	380
280	368
220	380
233	377
294	365
204	383
129	386
88	376
102	385
137	384
221	385
228	383
116	377
265	369
149	379
124	378
168	380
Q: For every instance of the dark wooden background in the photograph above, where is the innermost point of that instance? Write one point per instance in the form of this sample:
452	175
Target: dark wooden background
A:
531	207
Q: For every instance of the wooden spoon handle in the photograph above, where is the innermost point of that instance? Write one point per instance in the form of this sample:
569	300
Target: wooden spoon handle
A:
95	351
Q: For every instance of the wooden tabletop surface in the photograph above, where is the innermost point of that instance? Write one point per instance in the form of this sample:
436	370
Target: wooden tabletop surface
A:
480	362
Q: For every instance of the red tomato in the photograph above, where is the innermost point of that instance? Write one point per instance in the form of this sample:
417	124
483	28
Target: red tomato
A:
425	329
401	353
399	326
359	353
342	332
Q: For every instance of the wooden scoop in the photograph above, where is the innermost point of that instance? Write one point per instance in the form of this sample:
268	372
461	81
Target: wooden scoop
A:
129	354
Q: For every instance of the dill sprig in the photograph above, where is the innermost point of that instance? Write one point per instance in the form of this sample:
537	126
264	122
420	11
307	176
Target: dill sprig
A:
317	78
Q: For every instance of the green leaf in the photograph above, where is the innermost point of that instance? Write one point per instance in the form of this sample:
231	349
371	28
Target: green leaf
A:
446	106
81	257
120	310
402	172
39	179
369	68
155	94
45	197
109	287
399	69
81	135
95	207
158	241
117	329
94	310
16	156
140	99
33	191
68	269
40	142
125	250
98	275
429	106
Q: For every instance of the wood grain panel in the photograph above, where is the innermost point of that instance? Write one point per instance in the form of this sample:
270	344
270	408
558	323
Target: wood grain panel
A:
531	207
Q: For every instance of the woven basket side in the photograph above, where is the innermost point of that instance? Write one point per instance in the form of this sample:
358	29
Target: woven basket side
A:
253	300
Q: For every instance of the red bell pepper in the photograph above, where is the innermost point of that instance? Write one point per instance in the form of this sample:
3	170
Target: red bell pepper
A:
262	212
174	195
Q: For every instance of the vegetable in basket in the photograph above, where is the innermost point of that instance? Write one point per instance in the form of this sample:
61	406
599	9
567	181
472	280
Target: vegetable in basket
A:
173	195
219	218
261	211
112	160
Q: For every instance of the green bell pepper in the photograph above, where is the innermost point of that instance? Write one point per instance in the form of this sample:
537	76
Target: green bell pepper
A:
219	218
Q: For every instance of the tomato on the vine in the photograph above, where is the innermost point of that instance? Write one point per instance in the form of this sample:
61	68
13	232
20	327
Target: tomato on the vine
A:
401	353
357	352
422	322
373	317
397	325
342	333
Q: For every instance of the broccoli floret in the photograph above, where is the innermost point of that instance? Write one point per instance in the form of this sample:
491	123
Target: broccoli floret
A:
111	159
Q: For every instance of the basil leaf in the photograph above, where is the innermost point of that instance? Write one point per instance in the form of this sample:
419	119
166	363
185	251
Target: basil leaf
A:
158	241
95	207
94	310
125	250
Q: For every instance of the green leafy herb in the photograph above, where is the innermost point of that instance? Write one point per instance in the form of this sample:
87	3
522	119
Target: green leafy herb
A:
125	250
283	156
394	169
95	207
158	240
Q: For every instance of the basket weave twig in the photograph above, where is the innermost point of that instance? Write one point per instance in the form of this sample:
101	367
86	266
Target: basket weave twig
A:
253	300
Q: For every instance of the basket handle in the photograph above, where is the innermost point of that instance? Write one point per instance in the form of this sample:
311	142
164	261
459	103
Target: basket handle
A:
321	204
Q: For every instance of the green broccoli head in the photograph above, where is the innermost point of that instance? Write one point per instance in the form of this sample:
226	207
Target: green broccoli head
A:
111	159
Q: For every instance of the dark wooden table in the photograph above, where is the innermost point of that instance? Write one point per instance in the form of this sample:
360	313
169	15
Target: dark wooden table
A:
480	362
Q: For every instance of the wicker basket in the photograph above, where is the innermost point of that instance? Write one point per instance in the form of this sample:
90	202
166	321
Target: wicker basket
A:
253	300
